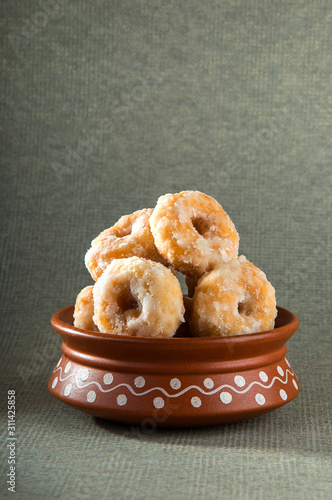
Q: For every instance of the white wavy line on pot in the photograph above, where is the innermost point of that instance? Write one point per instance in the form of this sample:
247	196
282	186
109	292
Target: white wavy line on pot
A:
211	393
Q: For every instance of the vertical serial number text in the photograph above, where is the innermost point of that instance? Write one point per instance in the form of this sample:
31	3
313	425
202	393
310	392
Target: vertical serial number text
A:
11	441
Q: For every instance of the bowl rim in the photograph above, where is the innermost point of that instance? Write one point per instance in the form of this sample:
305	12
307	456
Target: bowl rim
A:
60	325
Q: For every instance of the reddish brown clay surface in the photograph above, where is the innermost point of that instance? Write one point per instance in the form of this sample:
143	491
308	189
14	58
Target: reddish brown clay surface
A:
174	382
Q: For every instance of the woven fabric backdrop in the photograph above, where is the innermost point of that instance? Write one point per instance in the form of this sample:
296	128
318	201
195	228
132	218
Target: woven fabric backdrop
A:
105	106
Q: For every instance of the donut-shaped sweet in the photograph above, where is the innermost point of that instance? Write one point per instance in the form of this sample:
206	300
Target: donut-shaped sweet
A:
138	297
193	232
233	299
130	236
84	310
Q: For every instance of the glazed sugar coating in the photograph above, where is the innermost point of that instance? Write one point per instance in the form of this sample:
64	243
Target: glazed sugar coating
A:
138	297
130	236
193	232
233	299
84	310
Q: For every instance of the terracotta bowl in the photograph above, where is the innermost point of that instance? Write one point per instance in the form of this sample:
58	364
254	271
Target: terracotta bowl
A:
175	382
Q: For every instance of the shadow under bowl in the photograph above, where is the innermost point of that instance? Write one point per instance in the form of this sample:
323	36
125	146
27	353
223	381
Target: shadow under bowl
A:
174	382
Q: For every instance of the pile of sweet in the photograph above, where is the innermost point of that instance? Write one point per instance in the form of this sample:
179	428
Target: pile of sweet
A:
135	265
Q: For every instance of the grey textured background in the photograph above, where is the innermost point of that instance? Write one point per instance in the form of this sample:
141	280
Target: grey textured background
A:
105	105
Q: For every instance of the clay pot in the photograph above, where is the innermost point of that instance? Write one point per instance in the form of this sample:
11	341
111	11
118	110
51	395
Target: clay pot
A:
174	382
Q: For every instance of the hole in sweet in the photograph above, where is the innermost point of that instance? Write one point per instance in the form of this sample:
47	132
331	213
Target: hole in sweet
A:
201	225
244	308
126	301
